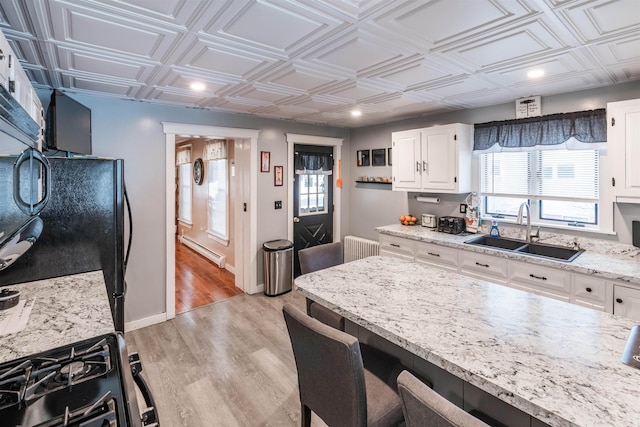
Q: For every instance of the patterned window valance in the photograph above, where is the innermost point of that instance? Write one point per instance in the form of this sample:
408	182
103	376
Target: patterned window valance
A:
583	129
183	155
215	150
313	162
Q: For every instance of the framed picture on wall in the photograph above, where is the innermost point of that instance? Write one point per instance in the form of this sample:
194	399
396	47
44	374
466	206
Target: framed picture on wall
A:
379	157
363	157
277	176
265	159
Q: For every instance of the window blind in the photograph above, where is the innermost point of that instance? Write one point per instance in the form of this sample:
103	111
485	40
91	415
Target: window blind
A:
183	156
215	150
545	175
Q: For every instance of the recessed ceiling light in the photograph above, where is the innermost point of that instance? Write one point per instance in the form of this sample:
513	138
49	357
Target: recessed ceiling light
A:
198	86
535	74
356	113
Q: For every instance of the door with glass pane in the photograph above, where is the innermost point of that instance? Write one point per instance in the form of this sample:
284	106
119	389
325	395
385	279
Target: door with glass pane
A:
313	198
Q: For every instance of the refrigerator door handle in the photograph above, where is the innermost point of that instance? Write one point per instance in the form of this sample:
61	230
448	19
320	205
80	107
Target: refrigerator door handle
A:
31	155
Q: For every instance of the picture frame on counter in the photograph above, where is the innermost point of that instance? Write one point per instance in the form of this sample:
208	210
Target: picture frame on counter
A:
277	176
265	160
379	157
363	157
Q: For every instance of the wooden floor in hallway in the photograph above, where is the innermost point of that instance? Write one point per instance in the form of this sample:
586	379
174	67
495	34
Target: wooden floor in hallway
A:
199	281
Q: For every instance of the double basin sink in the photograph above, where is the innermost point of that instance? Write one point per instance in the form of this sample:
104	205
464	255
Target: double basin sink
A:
558	253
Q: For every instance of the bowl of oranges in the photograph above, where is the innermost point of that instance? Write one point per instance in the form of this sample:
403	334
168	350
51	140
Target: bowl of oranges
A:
407	220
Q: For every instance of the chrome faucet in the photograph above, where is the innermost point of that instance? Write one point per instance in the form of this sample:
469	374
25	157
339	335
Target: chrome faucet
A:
519	221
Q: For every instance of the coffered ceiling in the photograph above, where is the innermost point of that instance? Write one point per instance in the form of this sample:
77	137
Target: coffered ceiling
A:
315	61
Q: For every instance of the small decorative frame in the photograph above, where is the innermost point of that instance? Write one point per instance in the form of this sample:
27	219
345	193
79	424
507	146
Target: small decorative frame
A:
198	171
389	156
277	176
379	157
363	157
265	161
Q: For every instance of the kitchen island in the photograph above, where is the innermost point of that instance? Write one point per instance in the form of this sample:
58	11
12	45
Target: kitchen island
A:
66	310
558	362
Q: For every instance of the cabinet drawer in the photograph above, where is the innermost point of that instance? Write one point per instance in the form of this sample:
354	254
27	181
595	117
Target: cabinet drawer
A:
396	246
588	291
626	302
483	265
441	256
546	280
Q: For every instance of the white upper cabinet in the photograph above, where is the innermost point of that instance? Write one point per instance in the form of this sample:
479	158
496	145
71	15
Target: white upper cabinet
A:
435	159
623	145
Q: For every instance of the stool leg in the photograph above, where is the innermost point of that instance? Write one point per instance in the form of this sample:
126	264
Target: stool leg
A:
305	416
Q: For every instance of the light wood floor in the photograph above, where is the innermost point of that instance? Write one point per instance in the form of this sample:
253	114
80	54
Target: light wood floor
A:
199	281
225	364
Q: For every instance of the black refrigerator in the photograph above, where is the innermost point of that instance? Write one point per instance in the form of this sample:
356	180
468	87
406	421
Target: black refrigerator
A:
83	226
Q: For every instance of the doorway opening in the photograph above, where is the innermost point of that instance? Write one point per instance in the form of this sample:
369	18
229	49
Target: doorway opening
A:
331	147
205	189
243	231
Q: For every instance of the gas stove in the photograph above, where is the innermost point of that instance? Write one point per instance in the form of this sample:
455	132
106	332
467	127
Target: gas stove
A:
89	383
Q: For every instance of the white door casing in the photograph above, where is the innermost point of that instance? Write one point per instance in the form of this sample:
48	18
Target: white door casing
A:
246	243
293	139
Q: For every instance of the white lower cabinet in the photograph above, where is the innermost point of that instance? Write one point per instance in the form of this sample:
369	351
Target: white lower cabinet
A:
436	255
589	291
483	266
626	302
599	294
396	247
547	281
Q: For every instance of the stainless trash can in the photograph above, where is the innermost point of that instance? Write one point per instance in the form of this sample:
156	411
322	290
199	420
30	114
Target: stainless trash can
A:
278	267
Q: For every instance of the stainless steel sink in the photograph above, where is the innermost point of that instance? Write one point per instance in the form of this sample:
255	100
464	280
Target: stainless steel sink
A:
550	251
558	253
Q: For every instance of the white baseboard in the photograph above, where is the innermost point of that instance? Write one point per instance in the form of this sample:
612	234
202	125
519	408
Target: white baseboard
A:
230	268
147	321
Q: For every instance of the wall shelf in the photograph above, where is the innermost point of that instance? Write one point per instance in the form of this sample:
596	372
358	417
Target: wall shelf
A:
373	182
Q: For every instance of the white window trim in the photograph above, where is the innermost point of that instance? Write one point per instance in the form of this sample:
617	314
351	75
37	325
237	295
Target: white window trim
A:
217	238
605	204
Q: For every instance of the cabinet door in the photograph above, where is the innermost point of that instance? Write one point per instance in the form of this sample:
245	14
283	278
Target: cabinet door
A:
588	291
407	163
547	281
439	158
626	302
436	255
624	144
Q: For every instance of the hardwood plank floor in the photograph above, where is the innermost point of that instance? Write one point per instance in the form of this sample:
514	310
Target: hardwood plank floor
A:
224	364
199	281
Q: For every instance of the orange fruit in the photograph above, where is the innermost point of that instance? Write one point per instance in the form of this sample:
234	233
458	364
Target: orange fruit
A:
402	218
413	219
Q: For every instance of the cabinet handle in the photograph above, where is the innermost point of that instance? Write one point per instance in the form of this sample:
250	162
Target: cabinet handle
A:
395	245
537	277
432	254
619	300
417	166
482	265
588	289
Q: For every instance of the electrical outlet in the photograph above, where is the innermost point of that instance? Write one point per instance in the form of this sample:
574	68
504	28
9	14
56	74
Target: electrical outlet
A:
463	208
278	204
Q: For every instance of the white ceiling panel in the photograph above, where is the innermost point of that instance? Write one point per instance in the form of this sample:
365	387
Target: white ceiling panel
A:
313	61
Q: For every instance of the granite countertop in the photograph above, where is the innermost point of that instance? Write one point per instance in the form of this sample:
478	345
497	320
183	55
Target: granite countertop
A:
555	361
621	267
66	310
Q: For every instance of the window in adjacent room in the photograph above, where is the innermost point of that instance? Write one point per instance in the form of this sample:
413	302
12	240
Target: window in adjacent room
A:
218	190
183	161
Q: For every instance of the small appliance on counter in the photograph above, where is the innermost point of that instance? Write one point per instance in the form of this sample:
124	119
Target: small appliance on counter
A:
451	224
429	220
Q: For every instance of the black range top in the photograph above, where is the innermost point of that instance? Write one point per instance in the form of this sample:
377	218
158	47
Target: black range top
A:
87	384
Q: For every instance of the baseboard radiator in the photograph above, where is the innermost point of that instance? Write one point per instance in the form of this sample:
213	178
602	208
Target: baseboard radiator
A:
357	248
205	252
